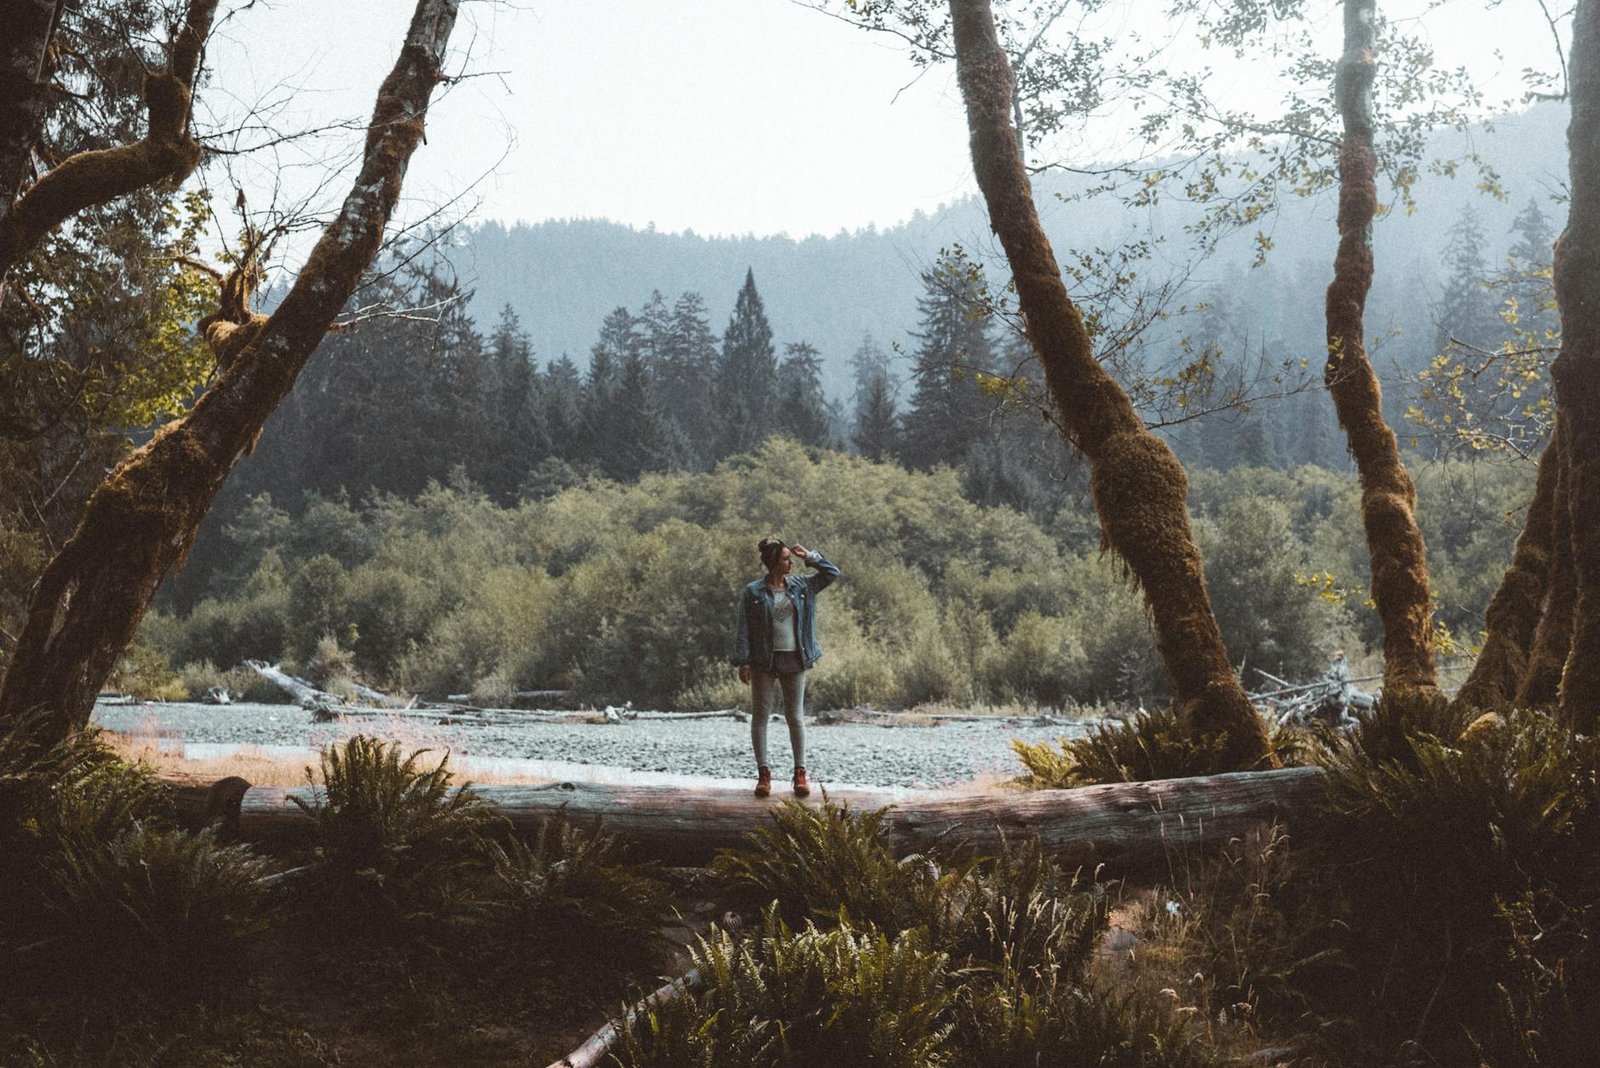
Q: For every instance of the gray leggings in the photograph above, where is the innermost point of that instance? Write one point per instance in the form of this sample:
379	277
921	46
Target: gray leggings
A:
764	692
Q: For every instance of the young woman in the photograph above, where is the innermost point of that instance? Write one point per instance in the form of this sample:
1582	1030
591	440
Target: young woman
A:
776	645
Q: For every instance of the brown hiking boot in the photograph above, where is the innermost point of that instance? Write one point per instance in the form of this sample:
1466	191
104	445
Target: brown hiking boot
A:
763	781
801	786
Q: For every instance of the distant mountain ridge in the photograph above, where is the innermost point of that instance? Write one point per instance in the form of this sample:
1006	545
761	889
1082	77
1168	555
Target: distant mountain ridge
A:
562	277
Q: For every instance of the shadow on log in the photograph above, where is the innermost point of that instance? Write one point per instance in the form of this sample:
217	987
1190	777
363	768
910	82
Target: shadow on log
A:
1126	827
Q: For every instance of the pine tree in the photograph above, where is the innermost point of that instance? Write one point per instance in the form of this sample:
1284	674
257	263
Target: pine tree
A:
802	405
877	421
948	413
686	377
747	374
604	427
517	429
1467	312
562	391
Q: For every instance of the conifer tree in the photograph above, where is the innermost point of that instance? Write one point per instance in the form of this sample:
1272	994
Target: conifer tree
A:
602	439
1467	311
947	413
563	395
686	376
747	376
803	408
517	428
877	421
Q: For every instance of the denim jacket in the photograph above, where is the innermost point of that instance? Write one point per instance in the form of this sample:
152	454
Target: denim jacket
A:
753	642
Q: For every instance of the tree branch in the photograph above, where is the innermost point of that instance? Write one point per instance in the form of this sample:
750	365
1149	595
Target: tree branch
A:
167	152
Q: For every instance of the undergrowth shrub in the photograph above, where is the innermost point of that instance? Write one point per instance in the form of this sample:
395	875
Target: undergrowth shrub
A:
1066	1025
98	877
1470	873
839	997
1150	745
400	842
568	896
156	904
1243	932
820	863
1020	916
1001	946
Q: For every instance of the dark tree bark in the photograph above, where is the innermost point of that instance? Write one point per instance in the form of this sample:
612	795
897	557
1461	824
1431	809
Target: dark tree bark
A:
141	521
1540	685
167	152
29	24
1577	370
1138	485
1388	498
1517	606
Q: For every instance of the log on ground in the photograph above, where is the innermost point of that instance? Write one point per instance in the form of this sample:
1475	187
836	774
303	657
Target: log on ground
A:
1127	827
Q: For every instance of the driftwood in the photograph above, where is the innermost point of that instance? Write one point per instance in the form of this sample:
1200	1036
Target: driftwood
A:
1126	826
305	694
597	1045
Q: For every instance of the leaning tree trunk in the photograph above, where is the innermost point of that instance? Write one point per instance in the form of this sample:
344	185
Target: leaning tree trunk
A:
141	521
1577	370
1388	498
1517	607
1138	485
1552	638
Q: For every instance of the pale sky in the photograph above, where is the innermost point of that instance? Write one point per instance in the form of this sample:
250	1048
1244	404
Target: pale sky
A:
720	116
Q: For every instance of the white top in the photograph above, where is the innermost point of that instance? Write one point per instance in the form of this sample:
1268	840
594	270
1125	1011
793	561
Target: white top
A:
783	622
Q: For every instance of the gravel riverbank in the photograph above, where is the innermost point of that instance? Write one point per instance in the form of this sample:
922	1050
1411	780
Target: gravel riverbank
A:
854	753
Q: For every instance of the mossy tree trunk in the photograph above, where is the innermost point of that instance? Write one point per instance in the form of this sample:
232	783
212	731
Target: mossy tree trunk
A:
1577	371
141	521
1138	485
167	151
1541	681
1388	498
1517	607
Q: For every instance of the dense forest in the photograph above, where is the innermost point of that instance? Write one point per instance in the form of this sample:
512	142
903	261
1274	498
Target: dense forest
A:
588	528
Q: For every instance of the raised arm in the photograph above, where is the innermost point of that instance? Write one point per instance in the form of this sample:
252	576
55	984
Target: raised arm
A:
826	570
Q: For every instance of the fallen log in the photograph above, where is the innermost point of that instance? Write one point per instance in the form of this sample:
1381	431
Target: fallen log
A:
1127	827
305	694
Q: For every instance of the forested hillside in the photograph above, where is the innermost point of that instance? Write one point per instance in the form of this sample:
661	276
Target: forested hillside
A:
563	277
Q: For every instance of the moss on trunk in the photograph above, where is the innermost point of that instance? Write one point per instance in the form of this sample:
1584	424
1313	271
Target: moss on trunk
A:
1388	499
1541	680
141	521
1577	372
168	151
1138	485
1517	606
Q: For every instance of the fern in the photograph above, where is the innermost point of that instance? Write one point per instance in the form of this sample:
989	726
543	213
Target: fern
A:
1150	745
400	842
567	896
819	863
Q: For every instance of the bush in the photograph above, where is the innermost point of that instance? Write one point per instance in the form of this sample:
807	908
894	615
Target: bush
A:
837	997
399	841
1069	1026
331	667
1470	876
95	867
1150	745
821	864
157	904
567	897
